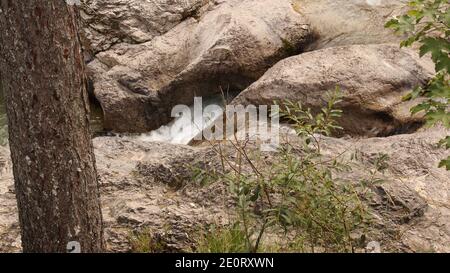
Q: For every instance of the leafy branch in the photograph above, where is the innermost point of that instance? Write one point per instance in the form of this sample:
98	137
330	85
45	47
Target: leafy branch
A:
427	23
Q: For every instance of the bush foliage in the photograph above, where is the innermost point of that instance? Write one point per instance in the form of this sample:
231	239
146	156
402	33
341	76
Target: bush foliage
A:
427	23
296	195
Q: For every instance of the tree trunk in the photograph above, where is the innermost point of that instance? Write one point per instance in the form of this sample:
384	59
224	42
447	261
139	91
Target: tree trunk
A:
42	73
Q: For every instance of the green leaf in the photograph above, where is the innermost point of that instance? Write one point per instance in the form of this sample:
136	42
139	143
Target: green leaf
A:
415	13
420	107
393	23
440	115
256	194
443	63
445	163
430	45
445	142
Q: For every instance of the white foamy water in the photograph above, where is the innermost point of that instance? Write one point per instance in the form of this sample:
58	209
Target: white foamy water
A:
184	128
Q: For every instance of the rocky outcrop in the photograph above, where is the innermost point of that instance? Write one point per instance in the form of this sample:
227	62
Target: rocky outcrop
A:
152	55
413	200
229	46
133	200
348	22
149	186
138	193
109	22
373	80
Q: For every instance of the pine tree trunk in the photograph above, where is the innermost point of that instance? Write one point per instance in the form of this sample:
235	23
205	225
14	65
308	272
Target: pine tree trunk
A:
42	74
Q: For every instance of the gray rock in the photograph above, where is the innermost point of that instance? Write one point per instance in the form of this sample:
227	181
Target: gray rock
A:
109	22
348	22
373	247
413	201
155	54
132	200
229	46
373	80
411	205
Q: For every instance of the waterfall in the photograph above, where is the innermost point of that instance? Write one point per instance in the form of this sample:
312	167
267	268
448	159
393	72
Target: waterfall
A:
184	128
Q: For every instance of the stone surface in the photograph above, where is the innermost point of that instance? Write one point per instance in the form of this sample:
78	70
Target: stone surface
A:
109	22
152	55
231	45
373	80
146	185
413	201
148	55
133	200
348	22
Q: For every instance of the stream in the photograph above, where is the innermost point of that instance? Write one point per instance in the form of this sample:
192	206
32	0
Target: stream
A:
183	128
180	131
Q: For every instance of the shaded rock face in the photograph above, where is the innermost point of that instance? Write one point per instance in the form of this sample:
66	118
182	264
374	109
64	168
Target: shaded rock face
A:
348	22
231	45
373	80
133	200
109	22
413	201
140	190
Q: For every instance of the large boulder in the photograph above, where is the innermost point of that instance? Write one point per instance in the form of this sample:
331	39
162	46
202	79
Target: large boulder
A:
229	46
109	22
347	22
373	80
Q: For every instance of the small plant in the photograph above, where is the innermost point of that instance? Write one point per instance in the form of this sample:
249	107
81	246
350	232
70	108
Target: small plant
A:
144	242
223	240
307	125
295	194
427	23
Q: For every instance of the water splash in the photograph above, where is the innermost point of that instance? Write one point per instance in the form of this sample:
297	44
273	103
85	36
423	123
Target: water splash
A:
180	131
183	128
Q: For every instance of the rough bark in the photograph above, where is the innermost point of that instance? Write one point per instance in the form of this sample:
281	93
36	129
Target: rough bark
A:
42	74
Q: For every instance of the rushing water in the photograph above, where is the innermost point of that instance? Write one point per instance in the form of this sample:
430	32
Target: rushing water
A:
181	130
184	128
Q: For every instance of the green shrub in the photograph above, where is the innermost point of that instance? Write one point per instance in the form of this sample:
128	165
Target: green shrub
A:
296	193
223	240
144	241
427	23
